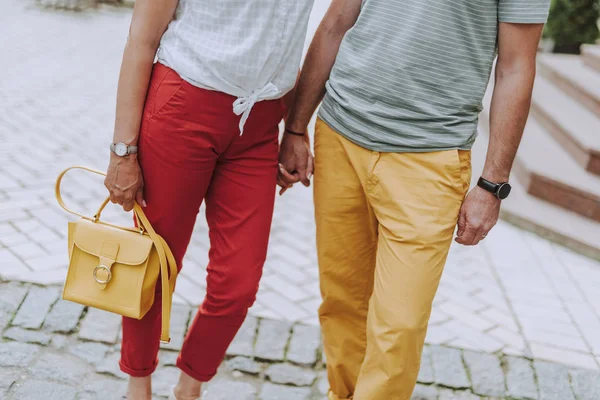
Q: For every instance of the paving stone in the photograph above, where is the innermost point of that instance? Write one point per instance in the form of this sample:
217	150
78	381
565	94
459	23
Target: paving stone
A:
35	307
520	379
447	394
34	389
163	381
243	343
225	389
100	326
168	358
244	364
322	382
586	384
59	341
304	345
180	315
289	374
448	367
8	376
272	340
59	368
27	336
424	392
14	354
99	387
553	381
11	296
426	371
486	372
110	366
90	351
279	392
63	317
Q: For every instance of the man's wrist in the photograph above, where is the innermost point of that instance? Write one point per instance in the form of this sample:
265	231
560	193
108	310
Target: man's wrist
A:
295	133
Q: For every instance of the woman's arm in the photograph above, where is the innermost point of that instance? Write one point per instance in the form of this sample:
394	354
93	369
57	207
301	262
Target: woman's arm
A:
149	22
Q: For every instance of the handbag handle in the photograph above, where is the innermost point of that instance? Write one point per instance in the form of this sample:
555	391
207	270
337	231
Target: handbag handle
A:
168	264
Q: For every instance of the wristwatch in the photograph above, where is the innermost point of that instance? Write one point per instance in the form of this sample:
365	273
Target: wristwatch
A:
500	190
121	149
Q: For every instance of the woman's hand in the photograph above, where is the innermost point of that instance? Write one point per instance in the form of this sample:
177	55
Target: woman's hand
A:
125	182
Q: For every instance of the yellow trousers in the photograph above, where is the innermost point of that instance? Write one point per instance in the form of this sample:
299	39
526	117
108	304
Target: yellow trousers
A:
385	222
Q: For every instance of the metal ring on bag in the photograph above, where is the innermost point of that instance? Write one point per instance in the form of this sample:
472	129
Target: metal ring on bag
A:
104	267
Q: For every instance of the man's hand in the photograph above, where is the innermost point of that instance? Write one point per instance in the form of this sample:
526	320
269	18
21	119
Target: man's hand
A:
124	182
478	215
295	162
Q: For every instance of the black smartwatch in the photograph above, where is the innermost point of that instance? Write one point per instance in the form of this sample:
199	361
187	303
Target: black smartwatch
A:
500	190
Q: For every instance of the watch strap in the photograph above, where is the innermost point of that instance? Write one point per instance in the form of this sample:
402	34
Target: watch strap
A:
130	149
488	186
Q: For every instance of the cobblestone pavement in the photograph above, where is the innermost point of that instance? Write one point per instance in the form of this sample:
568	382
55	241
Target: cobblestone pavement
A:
516	294
57	350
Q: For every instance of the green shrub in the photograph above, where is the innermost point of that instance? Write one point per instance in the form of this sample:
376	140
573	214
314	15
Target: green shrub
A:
572	23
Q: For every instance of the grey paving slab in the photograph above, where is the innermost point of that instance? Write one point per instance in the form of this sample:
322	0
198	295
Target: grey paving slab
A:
272	391
14	354
35	307
424	392
11	296
225	389
553	381
27	336
99	387
289	374
64	317
244	364
448	368
426	371
45	390
272	340
57	367
304	345
586	384
243	343
100	326
486	373
520	378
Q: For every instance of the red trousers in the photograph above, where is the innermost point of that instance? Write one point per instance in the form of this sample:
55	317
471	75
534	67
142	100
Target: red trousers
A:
190	150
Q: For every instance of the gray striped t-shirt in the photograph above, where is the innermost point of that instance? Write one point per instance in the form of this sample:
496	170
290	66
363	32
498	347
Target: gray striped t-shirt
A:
411	74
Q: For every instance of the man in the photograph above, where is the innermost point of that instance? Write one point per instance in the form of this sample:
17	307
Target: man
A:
403	82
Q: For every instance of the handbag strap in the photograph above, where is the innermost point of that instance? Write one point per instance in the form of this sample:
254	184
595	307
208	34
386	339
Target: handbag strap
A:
168	265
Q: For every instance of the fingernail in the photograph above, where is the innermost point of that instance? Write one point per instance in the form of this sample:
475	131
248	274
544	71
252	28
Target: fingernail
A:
144	203
309	175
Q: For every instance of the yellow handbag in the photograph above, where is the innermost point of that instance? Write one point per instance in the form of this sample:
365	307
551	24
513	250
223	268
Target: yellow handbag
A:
116	269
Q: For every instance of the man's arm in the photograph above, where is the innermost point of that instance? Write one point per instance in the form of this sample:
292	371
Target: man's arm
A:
340	17
515	74
294	155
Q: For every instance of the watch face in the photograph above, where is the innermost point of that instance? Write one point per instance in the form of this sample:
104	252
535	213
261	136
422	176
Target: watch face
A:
504	191
121	149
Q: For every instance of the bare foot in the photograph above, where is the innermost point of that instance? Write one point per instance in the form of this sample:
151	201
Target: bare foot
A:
188	388
139	388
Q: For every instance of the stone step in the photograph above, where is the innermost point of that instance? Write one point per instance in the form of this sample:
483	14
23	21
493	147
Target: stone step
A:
548	171
571	75
576	128
591	55
539	216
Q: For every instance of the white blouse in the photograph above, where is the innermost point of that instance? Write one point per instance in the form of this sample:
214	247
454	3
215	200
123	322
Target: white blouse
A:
250	49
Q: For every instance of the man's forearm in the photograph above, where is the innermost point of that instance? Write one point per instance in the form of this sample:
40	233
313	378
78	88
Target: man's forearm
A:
319	61
511	102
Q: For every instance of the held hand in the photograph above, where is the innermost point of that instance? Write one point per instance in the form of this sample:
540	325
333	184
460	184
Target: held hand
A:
124	182
478	215
295	162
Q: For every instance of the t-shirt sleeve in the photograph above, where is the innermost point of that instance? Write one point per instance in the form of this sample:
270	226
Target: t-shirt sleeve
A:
523	11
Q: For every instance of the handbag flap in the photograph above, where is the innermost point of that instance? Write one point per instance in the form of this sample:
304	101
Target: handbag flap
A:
133	248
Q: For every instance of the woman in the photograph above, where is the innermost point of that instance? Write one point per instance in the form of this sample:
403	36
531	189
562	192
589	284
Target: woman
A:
202	124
